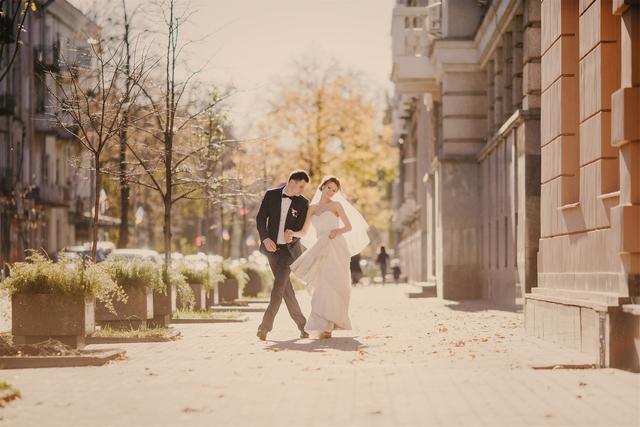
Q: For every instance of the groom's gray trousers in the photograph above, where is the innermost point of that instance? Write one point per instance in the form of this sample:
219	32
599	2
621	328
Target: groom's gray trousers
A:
280	262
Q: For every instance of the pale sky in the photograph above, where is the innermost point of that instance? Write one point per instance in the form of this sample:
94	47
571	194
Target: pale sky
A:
255	40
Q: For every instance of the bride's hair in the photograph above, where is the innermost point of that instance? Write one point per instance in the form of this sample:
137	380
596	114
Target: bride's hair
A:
329	179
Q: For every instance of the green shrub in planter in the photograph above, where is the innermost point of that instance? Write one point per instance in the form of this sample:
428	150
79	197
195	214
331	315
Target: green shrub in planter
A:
260	279
235	280
234	272
138	279
207	277
184	292
216	278
40	275
202	281
136	274
57	300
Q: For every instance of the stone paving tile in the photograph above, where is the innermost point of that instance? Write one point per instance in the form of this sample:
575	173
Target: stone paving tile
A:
407	363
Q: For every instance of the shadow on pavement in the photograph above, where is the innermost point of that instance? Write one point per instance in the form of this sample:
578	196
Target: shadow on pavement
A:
317	345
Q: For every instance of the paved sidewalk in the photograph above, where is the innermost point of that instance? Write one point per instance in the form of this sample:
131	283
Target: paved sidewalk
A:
408	362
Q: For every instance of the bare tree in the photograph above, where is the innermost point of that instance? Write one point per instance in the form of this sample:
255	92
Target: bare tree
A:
91	104
170	161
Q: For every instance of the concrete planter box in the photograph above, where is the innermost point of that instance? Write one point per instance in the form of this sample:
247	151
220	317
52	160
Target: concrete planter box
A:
210	298
132	314
228	290
200	294
38	317
254	285
164	306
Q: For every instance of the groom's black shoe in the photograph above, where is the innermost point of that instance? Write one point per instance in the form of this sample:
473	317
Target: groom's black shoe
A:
262	334
304	334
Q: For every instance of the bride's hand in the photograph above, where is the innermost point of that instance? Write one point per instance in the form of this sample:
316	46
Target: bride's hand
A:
333	234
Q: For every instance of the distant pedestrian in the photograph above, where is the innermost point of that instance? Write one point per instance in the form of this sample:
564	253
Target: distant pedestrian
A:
356	270
383	260
395	269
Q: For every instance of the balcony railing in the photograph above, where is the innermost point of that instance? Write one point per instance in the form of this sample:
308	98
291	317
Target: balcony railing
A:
54	58
413	32
415	28
50	124
7	30
47	57
7	181
52	194
7	104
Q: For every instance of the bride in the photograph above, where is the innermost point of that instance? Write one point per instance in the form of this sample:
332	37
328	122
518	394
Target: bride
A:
333	232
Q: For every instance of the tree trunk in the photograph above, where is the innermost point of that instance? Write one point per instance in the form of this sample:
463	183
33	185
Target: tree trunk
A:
96	208
123	238
167	199
167	233
243	240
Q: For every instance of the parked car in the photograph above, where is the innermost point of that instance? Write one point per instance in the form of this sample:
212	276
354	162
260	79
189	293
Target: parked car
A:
76	253
215	259
175	256
195	262
105	246
133	254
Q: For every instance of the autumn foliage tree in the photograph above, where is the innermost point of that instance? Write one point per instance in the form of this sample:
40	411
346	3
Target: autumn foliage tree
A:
322	118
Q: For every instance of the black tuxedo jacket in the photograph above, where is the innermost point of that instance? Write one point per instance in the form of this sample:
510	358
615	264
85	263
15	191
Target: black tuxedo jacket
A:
268	219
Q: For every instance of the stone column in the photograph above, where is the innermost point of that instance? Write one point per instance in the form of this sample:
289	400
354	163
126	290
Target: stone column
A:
531	83
463	125
422	168
498	84
491	94
625	134
517	61
507	71
528	182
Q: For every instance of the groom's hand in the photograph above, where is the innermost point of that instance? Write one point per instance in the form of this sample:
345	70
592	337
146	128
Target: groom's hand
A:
270	245
288	236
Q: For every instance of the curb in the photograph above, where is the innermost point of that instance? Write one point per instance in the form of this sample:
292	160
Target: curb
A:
90	358
172	336
240	319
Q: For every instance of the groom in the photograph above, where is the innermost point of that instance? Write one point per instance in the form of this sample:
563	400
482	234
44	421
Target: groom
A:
282	208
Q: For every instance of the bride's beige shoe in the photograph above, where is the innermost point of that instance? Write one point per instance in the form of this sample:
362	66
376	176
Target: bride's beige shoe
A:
325	335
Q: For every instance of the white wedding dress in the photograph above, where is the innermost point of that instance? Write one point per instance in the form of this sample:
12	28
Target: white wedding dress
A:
324	267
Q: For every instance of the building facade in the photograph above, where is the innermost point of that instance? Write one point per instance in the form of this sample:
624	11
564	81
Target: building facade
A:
518	131
44	194
466	121
589	258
